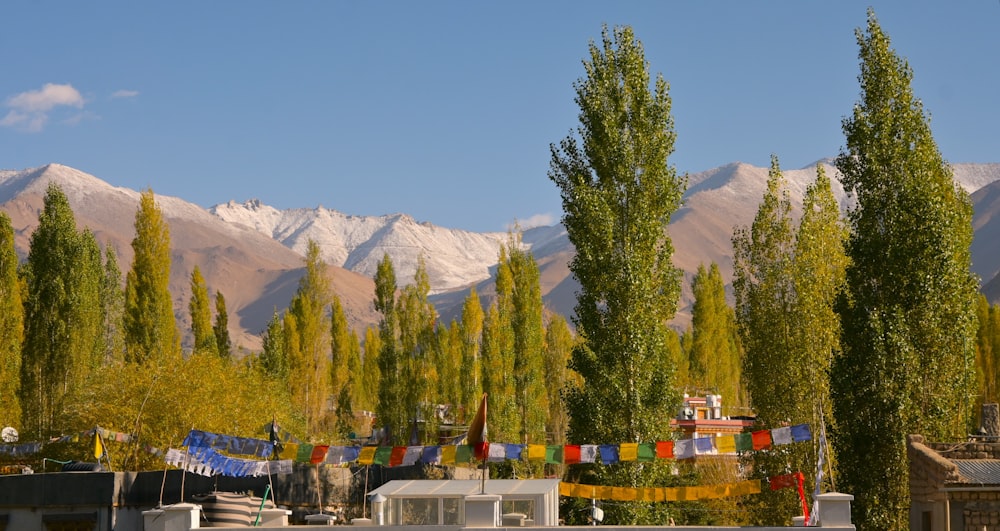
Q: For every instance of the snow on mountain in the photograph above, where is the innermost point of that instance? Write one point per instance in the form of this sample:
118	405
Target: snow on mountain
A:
454	258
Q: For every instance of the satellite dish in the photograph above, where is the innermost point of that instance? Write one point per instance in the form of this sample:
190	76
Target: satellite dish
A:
9	435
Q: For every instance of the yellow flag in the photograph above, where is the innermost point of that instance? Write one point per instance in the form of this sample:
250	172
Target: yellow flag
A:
98	445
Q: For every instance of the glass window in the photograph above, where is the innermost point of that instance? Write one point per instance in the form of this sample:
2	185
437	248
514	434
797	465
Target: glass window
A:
452	508
525	507
419	511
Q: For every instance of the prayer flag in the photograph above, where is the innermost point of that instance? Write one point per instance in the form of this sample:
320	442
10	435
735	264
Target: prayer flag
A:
98	446
725	444
463	453
744	442
782	435
684	449
800	433
703	445
609	453
318	454
351	454
536	452
628	451
449	454
412	455
646	452
571	454
513	451
554	454
382	455
588	453
367	455
497	452
665	449
431	455
761	439
396	455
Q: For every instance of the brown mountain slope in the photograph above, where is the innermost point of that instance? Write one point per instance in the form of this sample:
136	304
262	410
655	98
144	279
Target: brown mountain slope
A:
255	274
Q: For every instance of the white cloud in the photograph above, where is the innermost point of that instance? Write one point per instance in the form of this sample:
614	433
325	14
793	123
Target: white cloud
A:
124	94
538	220
29	111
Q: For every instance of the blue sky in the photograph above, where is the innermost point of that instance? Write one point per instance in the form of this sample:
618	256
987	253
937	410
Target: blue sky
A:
445	110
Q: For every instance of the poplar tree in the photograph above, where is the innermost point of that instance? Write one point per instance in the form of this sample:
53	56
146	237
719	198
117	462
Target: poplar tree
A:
345	367
416	318
449	364
370	370
113	304
201	314
149	323
471	331
307	341
62	317
715	353
558	377
763	257
987	352
391	408
618	193
818	277
220	330
497	359
340	345
11	326
786	283
273	359
531	400
908	313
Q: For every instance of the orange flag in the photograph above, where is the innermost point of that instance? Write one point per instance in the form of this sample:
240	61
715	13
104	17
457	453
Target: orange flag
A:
477	432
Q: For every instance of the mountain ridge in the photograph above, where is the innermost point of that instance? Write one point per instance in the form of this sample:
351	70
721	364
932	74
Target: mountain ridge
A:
252	252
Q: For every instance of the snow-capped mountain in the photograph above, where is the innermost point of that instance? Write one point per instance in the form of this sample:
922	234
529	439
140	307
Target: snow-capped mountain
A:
253	253
454	258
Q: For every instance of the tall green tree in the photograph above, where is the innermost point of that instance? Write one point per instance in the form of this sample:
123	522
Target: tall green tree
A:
391	410
345	367
908	313
417	344
715	352
62	317
530	399
987	352
370	371
618	193
763	282
149	323
471	331
786	283
558	377
497	359
273	359
220	330
11	326
201	314
763	257
307	341
818	277
113	304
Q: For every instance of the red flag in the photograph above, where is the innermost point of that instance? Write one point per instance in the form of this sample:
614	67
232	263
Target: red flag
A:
477	432
397	455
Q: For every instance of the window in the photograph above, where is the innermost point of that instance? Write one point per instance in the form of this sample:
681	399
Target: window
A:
525	507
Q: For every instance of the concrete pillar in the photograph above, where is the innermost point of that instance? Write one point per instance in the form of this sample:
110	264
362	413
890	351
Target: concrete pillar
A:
177	517
835	510
271	517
